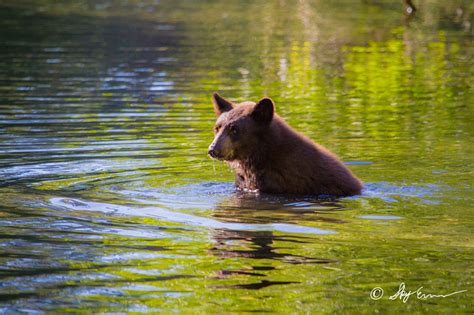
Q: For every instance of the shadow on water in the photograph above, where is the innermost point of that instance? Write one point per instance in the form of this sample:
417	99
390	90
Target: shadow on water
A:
259	246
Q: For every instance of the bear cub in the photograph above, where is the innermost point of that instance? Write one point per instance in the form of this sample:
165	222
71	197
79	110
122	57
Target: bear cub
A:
270	157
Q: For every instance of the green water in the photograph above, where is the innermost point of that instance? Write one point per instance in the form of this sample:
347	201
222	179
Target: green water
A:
110	204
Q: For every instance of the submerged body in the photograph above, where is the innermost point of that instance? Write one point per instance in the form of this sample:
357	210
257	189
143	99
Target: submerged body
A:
269	156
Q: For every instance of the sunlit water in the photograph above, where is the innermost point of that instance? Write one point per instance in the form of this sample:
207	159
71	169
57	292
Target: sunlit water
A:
110	204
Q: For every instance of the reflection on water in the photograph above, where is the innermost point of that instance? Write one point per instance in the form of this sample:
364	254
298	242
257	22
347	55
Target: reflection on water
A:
110	204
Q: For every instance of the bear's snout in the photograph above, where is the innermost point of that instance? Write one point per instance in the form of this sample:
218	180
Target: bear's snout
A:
220	148
213	151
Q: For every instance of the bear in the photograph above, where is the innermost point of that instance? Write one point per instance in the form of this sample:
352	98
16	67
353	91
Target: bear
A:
269	156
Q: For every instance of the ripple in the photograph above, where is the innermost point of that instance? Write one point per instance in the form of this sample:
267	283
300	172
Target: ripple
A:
179	217
391	192
73	168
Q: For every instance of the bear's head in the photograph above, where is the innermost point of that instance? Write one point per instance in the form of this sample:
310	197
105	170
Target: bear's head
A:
239	127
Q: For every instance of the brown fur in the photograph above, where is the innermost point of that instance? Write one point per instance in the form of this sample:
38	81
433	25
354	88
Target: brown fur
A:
269	156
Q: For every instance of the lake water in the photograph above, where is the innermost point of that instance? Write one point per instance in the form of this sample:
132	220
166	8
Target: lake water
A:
109	202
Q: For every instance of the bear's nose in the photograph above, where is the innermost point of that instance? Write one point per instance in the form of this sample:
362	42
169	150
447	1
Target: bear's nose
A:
212	153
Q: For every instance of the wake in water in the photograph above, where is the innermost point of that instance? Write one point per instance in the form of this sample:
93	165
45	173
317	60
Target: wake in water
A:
179	217
162	204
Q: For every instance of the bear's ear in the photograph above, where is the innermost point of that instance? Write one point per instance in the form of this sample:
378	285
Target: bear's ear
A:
263	111
221	105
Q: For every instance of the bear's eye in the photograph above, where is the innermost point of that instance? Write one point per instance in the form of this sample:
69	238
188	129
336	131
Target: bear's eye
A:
233	130
216	128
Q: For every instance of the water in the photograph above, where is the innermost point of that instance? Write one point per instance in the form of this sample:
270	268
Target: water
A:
110	204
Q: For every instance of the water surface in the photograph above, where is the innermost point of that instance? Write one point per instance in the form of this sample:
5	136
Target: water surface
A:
110	204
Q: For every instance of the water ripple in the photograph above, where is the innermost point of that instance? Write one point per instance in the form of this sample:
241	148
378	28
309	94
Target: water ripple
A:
179	217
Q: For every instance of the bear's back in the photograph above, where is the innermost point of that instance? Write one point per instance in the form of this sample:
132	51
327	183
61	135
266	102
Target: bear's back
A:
295	164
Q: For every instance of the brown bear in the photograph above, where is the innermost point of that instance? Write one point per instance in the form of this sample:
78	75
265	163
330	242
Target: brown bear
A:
270	157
